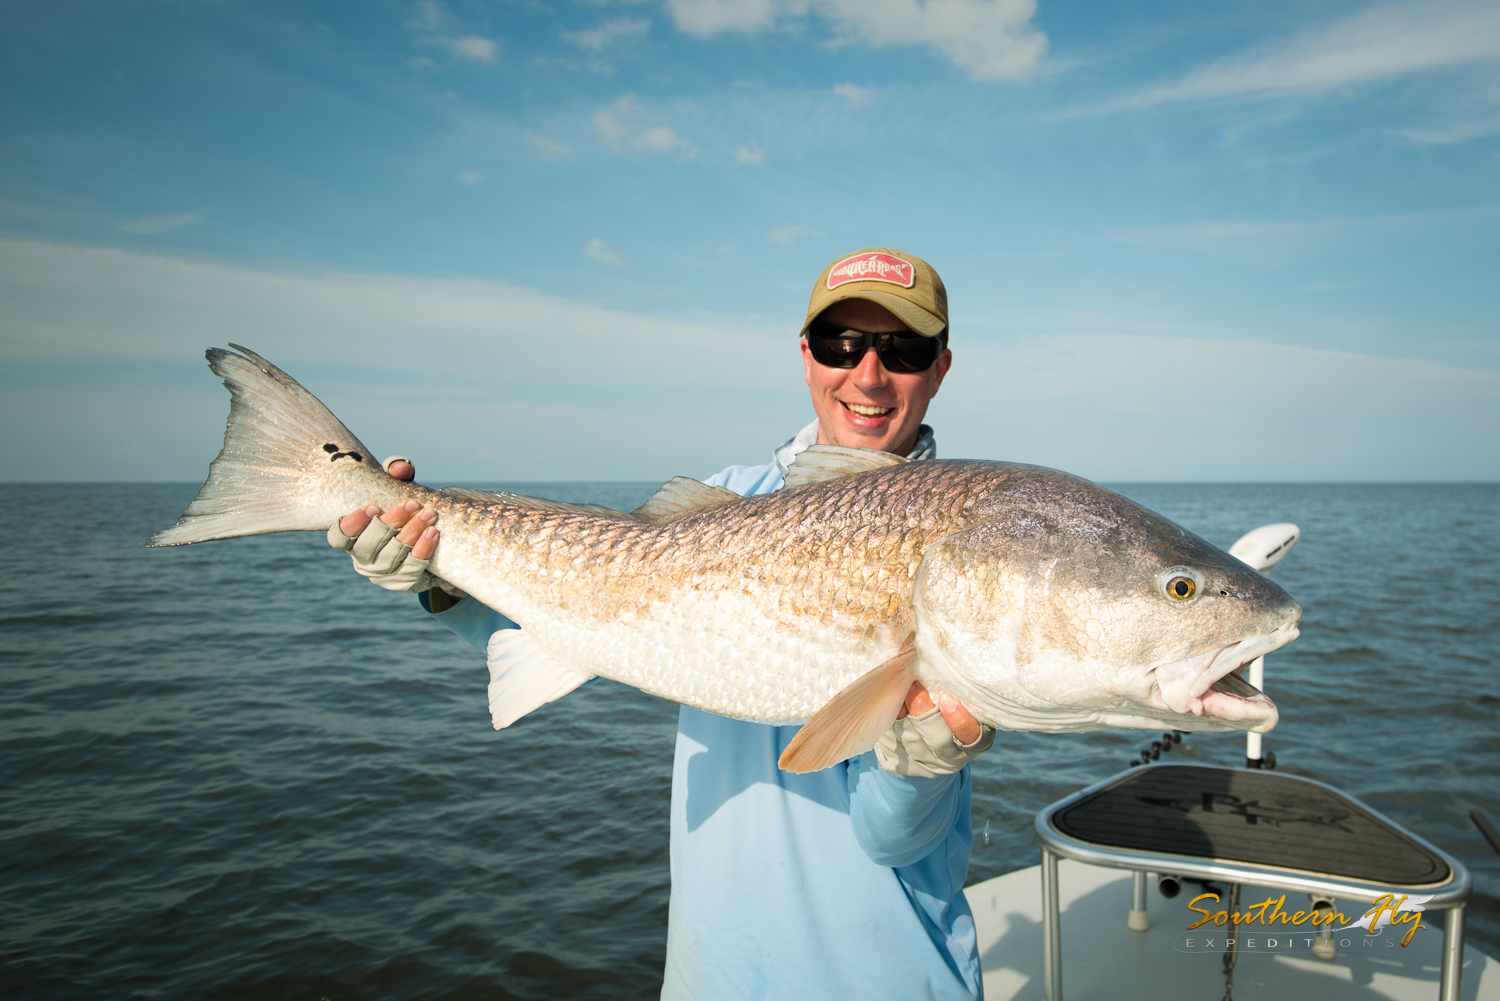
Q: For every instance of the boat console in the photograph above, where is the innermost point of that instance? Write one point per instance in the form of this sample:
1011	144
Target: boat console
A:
1234	826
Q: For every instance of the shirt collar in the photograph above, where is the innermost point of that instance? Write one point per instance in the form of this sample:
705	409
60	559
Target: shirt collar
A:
926	447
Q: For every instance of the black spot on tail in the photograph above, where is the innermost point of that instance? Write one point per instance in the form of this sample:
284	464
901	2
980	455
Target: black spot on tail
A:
334	455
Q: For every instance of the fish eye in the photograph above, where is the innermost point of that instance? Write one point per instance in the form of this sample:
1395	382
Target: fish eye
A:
1179	583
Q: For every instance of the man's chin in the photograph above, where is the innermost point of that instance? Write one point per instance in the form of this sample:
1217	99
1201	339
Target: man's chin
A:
853	432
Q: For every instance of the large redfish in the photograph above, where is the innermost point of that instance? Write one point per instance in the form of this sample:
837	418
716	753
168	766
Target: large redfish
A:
1039	600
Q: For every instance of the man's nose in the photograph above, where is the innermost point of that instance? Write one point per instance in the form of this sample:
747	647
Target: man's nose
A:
870	373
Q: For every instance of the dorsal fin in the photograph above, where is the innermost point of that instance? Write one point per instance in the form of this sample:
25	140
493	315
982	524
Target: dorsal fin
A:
536	503
679	497
820	463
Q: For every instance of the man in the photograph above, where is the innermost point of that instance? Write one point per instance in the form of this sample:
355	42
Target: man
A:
841	883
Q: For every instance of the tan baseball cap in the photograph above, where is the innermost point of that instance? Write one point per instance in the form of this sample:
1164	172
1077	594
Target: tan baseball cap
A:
902	283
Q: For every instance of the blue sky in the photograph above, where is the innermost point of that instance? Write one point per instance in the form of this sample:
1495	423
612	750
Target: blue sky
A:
573	241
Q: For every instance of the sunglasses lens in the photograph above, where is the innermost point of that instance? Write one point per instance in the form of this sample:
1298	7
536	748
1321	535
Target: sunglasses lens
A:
836	350
908	354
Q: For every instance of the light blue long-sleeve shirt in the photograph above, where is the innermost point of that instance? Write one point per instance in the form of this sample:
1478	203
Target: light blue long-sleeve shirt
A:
844	883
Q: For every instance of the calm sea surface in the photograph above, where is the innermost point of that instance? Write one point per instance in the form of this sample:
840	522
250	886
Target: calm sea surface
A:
237	771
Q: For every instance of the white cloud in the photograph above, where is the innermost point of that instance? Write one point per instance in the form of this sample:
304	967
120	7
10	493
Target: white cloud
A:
1121	407
988	39
750	157
152	225
608	125
549	146
596	249
469	177
162	307
709	17
789	234
1216	232
614	123
75	312
854	93
1449	134
1381	41
607	33
429	16
1283	237
1129	407
470	47
660	140
608	121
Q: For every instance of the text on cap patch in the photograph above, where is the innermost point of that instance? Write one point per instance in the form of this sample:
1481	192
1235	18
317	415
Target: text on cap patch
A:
872	267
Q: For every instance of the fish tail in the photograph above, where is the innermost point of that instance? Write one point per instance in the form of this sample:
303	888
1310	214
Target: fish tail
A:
286	463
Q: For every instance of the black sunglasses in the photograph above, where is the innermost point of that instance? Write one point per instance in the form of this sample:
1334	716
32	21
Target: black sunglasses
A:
842	347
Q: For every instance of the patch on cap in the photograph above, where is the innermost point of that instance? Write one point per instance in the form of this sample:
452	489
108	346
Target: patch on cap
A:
872	267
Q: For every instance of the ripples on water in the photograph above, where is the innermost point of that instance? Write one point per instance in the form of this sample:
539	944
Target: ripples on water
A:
234	771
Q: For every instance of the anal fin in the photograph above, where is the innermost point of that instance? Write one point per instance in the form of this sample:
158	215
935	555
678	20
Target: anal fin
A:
524	677
853	720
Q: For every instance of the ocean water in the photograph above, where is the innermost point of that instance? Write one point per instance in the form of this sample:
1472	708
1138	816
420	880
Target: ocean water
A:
237	771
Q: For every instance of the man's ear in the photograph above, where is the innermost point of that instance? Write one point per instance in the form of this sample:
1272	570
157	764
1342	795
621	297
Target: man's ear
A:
807	360
941	366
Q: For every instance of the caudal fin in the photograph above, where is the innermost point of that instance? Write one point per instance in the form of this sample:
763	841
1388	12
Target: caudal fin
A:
284	457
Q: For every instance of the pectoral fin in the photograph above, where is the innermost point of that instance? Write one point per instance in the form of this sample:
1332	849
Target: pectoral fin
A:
524	677
855	718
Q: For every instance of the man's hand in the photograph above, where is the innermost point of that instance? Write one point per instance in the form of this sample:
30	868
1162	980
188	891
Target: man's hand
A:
928	741
414	531
414	535
394	552
413	520
964	726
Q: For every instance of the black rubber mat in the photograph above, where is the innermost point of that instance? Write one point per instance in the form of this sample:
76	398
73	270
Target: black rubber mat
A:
1249	816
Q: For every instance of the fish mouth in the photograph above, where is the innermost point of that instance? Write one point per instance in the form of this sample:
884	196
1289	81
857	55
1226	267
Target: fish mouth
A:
1210	685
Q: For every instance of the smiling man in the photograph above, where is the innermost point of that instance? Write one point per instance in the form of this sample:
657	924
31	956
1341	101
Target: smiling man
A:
847	882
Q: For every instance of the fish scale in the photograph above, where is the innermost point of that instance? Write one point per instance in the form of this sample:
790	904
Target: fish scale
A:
581	576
